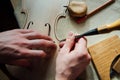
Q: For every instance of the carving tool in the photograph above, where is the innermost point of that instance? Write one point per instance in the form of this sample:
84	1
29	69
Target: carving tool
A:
100	30
78	20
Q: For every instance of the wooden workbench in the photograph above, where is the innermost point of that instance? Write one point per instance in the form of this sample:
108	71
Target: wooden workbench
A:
107	15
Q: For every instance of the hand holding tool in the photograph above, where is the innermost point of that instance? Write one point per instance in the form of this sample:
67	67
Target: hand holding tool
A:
100	30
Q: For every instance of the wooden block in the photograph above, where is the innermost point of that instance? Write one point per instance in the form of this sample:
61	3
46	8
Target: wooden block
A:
103	54
116	66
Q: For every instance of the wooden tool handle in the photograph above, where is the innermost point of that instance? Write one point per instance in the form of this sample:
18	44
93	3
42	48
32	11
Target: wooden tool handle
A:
109	27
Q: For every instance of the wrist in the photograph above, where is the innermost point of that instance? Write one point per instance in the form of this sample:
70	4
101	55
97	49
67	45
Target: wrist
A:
61	77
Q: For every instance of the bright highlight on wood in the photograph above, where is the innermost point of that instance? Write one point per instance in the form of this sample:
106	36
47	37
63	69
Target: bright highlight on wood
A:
77	8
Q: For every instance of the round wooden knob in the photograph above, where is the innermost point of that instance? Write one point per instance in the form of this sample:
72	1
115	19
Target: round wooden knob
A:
77	8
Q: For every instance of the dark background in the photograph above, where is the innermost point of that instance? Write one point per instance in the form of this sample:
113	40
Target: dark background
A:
7	17
7	22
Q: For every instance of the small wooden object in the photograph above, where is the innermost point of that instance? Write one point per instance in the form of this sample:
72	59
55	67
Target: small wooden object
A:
77	8
103	54
95	11
116	66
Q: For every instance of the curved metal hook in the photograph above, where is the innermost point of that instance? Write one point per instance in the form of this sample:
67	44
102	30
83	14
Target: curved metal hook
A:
63	15
49	28
25	12
30	23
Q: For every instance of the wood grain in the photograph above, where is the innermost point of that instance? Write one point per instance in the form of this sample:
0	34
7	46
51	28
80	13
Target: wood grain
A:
103	54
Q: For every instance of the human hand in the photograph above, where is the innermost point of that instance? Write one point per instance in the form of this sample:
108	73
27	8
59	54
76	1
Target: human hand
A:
72	59
19	45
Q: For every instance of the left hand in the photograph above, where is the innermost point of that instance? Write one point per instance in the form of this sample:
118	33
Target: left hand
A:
18	46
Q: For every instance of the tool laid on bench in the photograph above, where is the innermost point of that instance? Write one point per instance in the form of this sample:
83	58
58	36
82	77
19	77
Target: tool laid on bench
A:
93	12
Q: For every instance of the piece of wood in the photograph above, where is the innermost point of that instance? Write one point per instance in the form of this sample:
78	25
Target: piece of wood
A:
116	66
77	8
103	54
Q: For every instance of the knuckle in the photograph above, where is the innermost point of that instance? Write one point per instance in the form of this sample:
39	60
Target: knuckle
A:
23	43
17	30
36	33
19	35
47	43
42	42
23	53
42	52
84	55
53	45
88	58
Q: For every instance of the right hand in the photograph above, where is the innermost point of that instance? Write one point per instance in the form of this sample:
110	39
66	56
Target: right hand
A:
19	45
72	59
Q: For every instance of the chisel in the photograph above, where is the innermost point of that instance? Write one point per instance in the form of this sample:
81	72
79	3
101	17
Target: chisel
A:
100	30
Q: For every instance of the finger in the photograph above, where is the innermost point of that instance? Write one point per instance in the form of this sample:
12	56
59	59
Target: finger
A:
81	44
41	43
21	62
23	30
61	44
81	50
27	53
69	43
36	35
